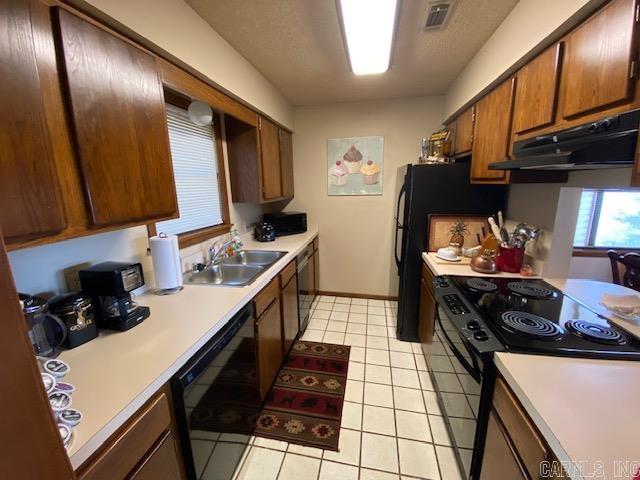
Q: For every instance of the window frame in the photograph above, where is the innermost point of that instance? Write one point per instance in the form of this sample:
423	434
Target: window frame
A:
186	239
596	251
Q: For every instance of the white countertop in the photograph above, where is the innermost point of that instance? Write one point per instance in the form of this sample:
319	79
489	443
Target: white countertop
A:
585	409
455	268
116	373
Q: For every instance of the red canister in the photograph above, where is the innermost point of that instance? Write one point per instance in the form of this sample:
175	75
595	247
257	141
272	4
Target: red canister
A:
510	259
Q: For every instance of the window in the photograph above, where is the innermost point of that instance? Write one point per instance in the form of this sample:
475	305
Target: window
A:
608	219
194	153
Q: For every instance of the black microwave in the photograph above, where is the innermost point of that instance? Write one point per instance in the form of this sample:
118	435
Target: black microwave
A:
287	223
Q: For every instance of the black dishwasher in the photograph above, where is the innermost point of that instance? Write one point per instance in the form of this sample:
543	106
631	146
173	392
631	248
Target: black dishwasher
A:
217	399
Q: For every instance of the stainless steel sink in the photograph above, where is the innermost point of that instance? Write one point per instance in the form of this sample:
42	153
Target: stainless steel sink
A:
226	275
238	270
263	258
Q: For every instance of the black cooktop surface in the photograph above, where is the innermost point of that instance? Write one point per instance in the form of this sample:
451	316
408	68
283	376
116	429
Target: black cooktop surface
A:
533	316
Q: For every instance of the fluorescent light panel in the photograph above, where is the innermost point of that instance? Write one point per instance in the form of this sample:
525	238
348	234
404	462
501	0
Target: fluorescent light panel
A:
368	27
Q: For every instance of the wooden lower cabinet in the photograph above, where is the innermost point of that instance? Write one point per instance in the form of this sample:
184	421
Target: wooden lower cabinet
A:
426	321
163	463
514	448
290	321
428	306
141	448
500	459
269	345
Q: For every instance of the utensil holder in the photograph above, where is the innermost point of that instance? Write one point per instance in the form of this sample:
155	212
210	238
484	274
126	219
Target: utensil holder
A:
510	259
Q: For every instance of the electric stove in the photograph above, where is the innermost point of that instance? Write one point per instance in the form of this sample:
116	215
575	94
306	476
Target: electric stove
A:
531	316
477	317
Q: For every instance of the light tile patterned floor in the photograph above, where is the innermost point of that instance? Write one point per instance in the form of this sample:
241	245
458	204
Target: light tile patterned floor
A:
391	424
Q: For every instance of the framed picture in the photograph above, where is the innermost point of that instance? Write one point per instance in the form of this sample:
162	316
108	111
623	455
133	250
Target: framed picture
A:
354	166
439	228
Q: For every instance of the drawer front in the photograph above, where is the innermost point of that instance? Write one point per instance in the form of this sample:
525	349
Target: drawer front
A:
524	435
125	451
316	243
310	249
287	273
268	294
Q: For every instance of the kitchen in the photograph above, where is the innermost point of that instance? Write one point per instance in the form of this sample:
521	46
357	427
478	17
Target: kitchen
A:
265	124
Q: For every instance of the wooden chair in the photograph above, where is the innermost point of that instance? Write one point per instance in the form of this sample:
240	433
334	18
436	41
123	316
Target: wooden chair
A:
631	275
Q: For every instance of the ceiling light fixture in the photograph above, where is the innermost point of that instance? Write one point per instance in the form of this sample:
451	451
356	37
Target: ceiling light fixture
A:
368	29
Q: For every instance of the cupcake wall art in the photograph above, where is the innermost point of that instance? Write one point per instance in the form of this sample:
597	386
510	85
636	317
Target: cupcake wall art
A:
354	166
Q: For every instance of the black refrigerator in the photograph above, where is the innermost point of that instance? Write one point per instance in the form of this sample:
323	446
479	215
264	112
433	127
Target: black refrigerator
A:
423	190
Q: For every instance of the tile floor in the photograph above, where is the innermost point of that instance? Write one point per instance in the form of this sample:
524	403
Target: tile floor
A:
391	424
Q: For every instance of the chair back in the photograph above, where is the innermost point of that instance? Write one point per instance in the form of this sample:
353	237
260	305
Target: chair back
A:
630	277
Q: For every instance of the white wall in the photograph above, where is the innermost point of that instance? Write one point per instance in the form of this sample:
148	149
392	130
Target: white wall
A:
175	27
554	207
529	23
356	232
593	268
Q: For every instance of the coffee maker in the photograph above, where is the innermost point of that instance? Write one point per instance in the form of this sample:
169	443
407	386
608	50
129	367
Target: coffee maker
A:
111	283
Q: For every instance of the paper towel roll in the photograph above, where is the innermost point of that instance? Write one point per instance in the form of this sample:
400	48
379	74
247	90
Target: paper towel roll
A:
166	262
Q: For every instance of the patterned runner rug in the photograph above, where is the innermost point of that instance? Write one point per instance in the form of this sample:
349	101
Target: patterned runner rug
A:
304	405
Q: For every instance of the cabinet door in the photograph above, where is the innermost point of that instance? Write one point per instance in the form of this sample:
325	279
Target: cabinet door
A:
118	112
29	189
500	459
536	92
162	463
492	132
286	163
426	321
270	158
269	344
596	69
290	322
464	132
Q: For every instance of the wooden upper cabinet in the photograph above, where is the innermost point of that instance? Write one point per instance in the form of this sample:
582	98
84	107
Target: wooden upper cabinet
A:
597	68
118	113
463	131
260	161
286	163
29	189
537	91
270	160
492	134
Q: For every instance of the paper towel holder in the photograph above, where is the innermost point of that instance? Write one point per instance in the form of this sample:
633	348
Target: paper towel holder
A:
167	291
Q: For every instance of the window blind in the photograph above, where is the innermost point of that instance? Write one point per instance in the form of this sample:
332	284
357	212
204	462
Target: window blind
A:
195	168
585	218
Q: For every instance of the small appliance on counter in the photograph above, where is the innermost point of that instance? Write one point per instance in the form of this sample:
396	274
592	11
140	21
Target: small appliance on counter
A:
76	311
287	223
265	232
111	283
46	331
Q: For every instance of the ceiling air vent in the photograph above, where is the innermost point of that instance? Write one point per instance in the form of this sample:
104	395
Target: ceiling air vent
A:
437	15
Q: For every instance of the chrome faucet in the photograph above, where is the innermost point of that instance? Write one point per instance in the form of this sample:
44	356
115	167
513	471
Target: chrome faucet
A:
218	250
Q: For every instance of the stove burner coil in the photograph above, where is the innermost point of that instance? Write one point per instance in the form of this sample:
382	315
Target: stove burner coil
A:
530	324
530	290
595	332
482	285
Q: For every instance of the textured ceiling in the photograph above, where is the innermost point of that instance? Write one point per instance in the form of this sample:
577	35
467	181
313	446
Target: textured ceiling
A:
297	45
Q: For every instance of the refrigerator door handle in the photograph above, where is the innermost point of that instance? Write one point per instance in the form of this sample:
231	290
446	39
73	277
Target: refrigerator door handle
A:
399	227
